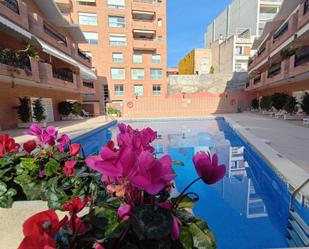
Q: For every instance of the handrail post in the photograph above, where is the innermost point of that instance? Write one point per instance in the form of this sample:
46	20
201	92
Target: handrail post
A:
296	191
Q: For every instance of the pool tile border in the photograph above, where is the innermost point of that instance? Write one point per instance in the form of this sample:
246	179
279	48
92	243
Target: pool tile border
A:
292	174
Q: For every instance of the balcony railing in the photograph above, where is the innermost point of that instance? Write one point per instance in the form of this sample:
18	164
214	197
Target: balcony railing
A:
257	79
274	70
261	50
55	35
143	1
281	31
18	60
63	74
88	84
301	56
306	7
247	84
12	5
83	55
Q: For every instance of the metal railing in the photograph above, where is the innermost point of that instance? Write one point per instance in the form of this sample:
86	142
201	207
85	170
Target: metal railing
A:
274	70
257	79
88	84
12	5
83	55
296	191
54	34
63	74
306	7
281	31
301	56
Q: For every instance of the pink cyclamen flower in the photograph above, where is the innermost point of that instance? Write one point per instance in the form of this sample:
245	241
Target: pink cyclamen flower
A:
153	175
98	246
74	149
207	168
44	136
175	228
124	212
69	167
63	141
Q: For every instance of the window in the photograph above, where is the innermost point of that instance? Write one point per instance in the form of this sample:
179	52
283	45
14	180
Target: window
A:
88	53
156	74
137	74
138	90
137	58
117	57
156	90
239	50
91	37
87	2
160	39
159	22
116	22
116	4
205	61
156	58
119	90
118	73
87	19
117	40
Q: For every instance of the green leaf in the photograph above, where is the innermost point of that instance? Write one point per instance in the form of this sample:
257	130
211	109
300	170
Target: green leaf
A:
186	202
115	230
151	223
28	163
104	217
202	236
59	155
6	201
11	192
178	163
51	167
186	239
31	186
185	216
129	246
3	188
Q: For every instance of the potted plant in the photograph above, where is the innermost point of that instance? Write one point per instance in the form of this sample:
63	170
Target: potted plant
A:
291	105
305	103
112	111
24	112
65	108
255	105
39	112
278	100
287	53
77	109
265	103
139	211
212	70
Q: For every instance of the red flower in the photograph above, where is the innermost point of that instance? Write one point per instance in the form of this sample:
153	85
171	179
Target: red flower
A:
74	149
46	222
29	146
69	167
38	242
7	144
75	205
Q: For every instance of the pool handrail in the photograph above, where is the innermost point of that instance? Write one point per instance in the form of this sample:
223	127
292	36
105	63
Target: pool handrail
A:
296	191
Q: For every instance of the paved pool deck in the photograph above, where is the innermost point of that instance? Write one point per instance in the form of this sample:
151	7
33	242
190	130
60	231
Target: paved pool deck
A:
72	128
289	139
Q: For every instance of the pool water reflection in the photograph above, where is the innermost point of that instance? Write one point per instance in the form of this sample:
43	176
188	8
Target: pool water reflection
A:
248	209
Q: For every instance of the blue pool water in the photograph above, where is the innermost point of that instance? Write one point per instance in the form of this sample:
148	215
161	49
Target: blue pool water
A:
248	209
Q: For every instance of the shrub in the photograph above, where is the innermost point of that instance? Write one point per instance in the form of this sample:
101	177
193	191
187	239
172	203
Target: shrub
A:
112	110
65	108
305	103
77	108
287	53
255	104
291	105
278	100
265	103
38	110
23	109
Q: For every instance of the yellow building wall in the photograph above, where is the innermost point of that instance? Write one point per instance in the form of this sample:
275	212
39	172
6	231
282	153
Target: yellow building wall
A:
186	65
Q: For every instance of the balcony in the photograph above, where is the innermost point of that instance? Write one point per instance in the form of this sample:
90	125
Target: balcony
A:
303	14
257	79
59	38
274	70
299	63
65	5
88	87
144	34
16	11
63	74
139	15
85	58
144	44
12	5
144	25
146	5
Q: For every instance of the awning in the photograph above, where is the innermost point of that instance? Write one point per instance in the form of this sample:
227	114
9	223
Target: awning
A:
143	12
10	25
88	1
85	72
54	15
144	31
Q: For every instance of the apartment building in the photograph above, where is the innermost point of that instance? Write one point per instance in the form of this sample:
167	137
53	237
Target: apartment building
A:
60	70
281	63
231	55
239	16
127	42
198	61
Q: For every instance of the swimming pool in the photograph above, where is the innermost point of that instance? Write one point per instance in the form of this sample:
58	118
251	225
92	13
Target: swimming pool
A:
248	209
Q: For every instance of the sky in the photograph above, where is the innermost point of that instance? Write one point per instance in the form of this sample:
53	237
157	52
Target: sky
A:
187	21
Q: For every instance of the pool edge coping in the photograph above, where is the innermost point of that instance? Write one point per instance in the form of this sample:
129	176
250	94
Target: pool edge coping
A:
291	173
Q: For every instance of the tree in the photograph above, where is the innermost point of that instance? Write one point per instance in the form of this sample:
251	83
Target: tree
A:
278	100
255	104
23	110
265	103
77	108
65	108
305	103
291	105
38	110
